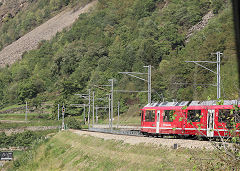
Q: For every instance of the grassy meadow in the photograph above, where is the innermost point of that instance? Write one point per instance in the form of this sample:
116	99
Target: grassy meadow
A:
69	151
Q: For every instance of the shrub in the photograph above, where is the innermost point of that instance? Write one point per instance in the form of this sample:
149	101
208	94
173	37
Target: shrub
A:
73	123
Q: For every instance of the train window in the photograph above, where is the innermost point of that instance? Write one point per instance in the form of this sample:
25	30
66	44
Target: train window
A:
194	115
228	116
150	116
168	115
142	114
224	115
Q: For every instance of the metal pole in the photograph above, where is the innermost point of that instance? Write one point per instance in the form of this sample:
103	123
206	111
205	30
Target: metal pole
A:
149	84
218	75
219	65
84	115
93	110
89	103
26	112
96	115
112	104
217	78
63	110
109	110
58	112
118	113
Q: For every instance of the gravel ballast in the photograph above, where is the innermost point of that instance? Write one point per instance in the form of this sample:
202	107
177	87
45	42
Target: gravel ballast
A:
184	143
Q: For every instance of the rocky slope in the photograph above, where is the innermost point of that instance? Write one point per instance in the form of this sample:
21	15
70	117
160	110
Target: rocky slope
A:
9	8
46	31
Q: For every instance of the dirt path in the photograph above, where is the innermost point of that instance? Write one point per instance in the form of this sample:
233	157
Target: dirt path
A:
46	31
148	140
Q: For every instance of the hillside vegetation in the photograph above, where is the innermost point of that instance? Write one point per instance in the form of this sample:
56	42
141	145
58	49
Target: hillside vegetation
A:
125	36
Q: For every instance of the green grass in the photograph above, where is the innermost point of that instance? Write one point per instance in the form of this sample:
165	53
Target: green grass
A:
69	151
21	116
33	119
32	123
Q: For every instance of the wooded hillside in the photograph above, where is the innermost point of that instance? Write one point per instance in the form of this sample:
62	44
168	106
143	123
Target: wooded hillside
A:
125	36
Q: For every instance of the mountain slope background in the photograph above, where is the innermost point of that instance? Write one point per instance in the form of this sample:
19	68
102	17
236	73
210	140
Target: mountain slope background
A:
18	17
46	31
125	36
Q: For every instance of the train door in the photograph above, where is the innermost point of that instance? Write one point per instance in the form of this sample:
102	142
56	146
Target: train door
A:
158	121
210	123
183	122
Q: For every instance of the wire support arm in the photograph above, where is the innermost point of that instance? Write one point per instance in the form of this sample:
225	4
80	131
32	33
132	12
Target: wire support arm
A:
202	62
140	73
135	76
194	84
129	91
77	104
202	66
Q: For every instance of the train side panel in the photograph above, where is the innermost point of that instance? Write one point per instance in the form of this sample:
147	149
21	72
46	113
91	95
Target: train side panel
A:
210	121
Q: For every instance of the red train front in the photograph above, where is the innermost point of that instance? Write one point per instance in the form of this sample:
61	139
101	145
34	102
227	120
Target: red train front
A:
204	118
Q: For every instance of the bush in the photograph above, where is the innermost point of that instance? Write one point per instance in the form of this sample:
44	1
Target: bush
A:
73	123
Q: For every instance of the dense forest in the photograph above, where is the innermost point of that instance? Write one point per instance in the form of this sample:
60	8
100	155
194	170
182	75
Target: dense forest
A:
125	36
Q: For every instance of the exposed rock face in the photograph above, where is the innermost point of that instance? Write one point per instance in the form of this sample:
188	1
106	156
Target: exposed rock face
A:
199	25
10	8
46	31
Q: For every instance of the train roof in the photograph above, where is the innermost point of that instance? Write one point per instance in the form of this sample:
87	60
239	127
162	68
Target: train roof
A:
192	103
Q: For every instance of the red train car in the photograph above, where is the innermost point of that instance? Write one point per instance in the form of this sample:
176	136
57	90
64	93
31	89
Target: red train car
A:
204	118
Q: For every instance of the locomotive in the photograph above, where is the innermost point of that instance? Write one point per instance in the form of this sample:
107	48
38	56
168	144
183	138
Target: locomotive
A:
190	118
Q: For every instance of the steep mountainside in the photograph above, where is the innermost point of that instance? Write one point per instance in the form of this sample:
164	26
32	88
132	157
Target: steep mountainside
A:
18	17
46	31
125	36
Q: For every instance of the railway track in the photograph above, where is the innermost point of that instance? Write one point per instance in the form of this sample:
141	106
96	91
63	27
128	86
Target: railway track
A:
118	131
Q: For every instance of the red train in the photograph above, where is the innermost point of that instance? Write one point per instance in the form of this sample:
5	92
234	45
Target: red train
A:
204	118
